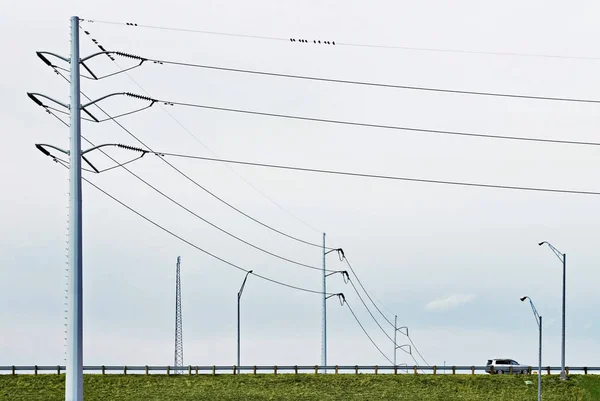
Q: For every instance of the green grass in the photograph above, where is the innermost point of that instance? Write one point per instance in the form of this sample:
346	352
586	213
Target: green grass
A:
302	387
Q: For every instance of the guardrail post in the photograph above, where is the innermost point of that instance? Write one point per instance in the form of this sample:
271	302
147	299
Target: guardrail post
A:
566	369
529	370
234	369
356	369
296	369
214	370
254	369
510	370
548	368
585	370
168	370
472	370
124	370
376	369
190	370
14	371
492	370
336	369
147	370
275	370
395	369
103	370
453	370
35	370
415	369
316	369
434	369
58	370
196	369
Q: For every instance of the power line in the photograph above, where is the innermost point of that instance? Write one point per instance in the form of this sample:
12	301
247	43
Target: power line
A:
165	28
202	187
192	244
370	125
198	216
416	349
365	290
367	334
368	310
379	310
89	35
383	177
374	84
346	44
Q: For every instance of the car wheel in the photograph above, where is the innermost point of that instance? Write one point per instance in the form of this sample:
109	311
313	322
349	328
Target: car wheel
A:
500	372
524	372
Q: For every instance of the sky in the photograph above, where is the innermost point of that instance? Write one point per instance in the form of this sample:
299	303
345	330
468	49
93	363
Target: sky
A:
450	262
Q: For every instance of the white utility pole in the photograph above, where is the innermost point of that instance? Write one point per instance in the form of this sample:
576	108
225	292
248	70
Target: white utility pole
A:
324	330
74	373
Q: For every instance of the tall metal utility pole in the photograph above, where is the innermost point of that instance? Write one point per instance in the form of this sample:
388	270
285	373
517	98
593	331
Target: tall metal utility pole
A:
74	365
563	372
324	328
395	343
178	321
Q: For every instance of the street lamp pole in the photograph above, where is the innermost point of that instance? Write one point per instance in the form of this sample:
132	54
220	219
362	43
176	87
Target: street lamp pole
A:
239	296
563	258
538	320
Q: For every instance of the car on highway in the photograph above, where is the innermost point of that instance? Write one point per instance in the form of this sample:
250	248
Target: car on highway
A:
502	366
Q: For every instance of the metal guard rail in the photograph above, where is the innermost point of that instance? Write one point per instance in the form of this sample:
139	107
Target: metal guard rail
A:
232	369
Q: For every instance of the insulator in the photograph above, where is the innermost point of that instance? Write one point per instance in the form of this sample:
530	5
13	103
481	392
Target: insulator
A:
129	55
132	148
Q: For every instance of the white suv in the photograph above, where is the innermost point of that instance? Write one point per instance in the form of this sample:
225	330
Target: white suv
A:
502	366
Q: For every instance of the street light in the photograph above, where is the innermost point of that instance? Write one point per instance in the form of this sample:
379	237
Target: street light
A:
239	296
563	258
538	320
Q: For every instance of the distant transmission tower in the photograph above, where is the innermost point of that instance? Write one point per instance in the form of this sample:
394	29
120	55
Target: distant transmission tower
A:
178	322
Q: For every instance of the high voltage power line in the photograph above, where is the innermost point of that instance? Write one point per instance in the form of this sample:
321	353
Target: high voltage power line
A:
192	212
367	334
125	70
377	176
191	179
376	307
173	234
297	40
373	125
366	83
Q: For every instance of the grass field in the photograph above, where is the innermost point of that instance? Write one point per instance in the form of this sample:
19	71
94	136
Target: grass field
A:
307	387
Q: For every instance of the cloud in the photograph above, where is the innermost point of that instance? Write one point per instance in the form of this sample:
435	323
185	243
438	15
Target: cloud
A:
449	303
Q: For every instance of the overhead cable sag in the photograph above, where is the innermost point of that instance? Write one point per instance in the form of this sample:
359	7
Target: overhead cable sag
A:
136	149
173	234
109	117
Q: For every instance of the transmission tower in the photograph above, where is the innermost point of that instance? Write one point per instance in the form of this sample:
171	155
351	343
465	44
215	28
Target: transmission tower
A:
178	321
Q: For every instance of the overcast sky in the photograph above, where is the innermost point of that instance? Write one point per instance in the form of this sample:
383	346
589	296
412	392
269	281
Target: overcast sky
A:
451	262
